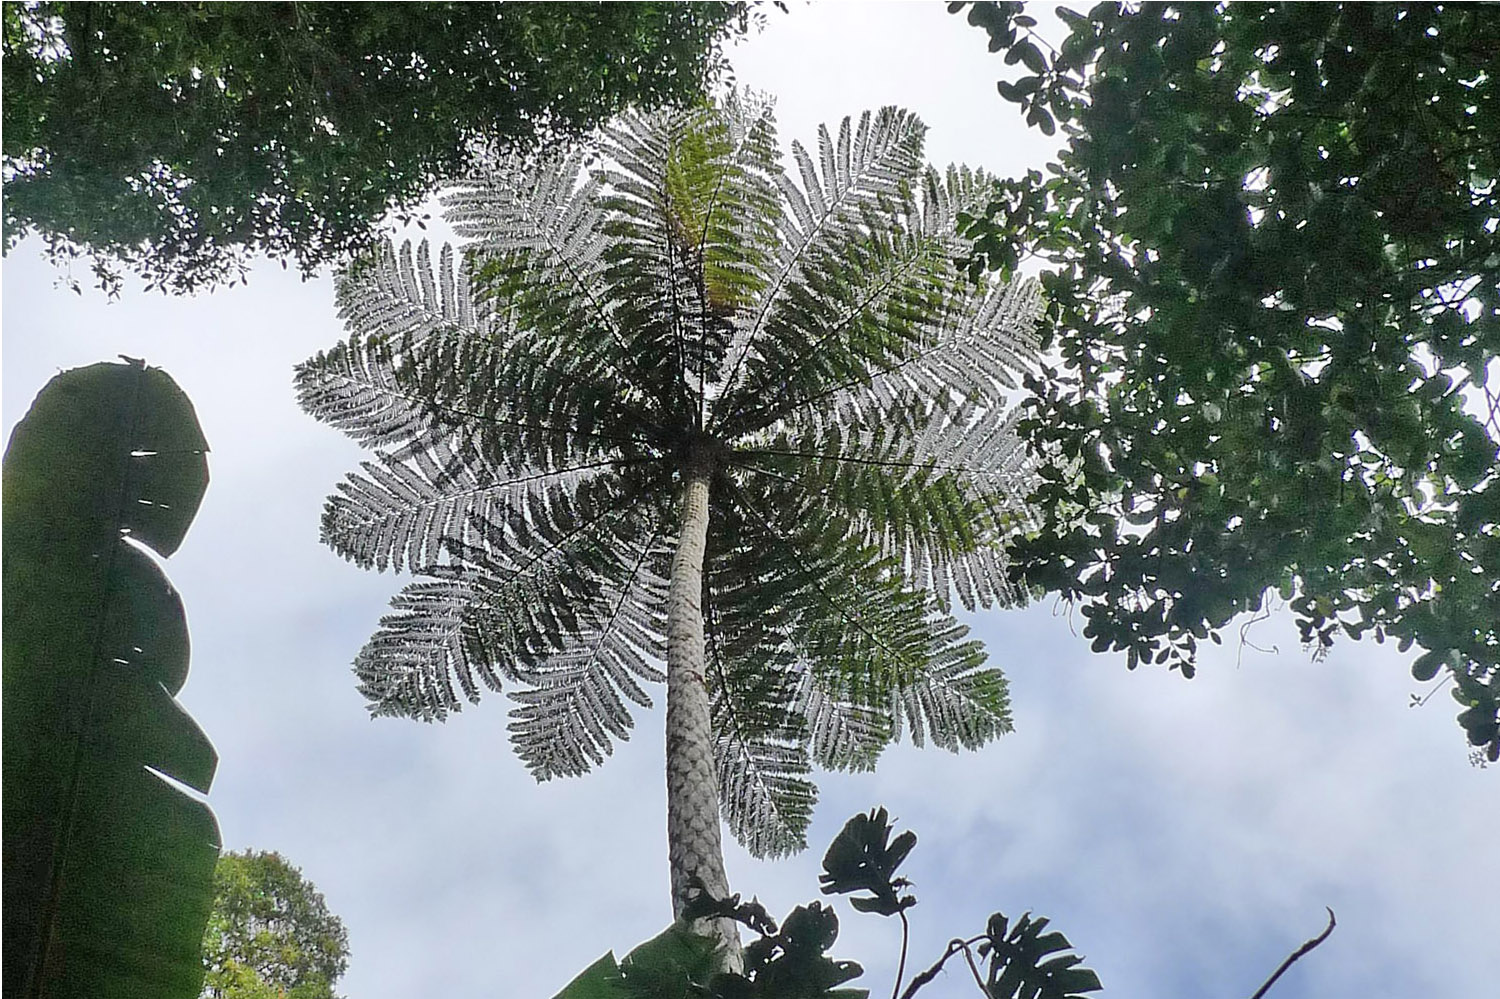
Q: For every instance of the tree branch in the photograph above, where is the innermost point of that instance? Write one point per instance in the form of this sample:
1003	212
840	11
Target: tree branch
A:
954	946
1260	992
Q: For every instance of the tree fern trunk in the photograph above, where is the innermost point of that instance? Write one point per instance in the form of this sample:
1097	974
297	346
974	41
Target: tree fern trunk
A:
693	845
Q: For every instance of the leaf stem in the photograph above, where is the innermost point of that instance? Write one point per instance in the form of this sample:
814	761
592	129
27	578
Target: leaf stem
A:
901	965
954	946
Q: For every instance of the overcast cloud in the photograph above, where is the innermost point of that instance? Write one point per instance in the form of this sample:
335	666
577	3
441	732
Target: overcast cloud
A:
1186	835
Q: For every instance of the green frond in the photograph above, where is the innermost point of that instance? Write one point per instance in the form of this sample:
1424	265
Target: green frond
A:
538	236
542	598
429	642
821	654
921	453
355	388
940	500
842	315
863	175
766	800
390	304
958	703
406	511
693	209
971	353
837	608
843	734
573	703
760	750
522	399
396	297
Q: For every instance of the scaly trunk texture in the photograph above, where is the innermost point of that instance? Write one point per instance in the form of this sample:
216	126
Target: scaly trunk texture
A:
693	844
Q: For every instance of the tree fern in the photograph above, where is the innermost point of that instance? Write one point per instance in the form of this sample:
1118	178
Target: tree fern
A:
685	318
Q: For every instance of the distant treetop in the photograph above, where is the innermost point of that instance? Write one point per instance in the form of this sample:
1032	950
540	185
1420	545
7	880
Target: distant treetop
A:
270	935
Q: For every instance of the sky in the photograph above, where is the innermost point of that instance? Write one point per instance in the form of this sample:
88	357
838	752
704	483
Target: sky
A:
1185	835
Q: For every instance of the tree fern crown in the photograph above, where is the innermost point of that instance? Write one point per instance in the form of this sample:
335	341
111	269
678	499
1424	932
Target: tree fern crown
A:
682	302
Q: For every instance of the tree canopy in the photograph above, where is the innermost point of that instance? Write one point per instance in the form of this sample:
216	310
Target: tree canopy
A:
1273	269
177	138
270	935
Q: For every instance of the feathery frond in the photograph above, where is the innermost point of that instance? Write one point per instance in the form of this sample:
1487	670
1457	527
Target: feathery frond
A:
573	703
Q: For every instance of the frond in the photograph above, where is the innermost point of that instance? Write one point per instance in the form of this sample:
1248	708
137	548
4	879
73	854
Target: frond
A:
428	642
843	734
957	702
922	454
540	231
939	499
830	605
355	388
512	609
545	213
524	399
574	703
693	208
409	510
858	179
760	750
765	797
846	314
425	367
396	298
752	676
819	649
970	355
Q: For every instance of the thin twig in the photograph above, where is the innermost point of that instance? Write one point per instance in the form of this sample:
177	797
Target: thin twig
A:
954	946
1261	615
1422	702
974	969
1296	954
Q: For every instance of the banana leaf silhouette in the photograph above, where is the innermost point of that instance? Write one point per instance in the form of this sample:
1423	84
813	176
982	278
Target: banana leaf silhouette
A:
108	875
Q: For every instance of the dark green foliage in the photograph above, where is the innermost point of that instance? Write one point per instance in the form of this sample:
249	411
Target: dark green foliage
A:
108	867
1274	284
792	962
665	967
176	138
862	857
270	935
1021	966
702	905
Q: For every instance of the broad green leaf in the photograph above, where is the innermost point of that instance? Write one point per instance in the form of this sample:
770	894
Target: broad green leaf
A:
600	980
1016	966
668	965
1428	664
108	865
863	857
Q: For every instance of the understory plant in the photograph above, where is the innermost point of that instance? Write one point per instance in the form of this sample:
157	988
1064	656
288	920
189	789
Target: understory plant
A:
1011	959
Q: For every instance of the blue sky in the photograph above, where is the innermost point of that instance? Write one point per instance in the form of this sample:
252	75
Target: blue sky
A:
1184	834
